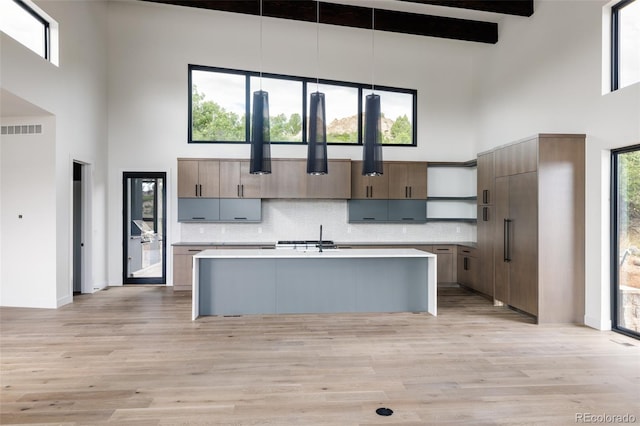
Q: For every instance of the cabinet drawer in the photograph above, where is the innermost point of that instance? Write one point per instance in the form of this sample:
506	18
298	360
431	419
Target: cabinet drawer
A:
467	251
240	210
368	210
408	211
443	249
190	250
198	209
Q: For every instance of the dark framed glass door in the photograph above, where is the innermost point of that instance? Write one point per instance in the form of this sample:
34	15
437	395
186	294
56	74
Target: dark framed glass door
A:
144	224
625	224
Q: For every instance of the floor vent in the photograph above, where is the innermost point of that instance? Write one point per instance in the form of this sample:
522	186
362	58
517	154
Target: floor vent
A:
23	129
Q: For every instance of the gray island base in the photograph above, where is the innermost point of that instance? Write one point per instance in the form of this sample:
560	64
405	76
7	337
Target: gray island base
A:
243	282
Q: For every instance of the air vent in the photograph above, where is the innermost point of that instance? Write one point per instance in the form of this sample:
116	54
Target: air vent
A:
24	129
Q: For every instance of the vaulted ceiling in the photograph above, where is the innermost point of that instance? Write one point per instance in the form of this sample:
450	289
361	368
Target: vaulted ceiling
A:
433	18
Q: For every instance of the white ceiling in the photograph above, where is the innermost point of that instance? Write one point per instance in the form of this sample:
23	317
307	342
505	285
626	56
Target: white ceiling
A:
14	106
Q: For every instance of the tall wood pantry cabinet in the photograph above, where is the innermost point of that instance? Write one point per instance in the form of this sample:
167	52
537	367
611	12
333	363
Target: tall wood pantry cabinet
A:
538	235
485	222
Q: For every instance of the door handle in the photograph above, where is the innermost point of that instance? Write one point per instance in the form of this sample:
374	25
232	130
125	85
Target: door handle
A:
507	240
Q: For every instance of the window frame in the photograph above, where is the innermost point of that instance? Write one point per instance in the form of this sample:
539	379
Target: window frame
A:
615	42
306	81
614	240
45	24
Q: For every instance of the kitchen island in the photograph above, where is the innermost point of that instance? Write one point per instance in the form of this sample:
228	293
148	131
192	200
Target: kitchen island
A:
239	282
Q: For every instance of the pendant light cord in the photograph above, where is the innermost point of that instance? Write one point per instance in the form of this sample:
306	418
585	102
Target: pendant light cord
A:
318	46
373	47
260	45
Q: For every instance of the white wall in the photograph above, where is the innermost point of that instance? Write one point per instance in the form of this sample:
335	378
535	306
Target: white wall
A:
545	76
75	93
150	46
27	222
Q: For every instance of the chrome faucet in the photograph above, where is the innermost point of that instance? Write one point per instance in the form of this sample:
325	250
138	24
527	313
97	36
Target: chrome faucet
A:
320	242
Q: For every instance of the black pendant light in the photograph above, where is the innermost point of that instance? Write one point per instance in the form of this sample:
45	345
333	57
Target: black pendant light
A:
317	143
260	135
372	145
372	152
260	162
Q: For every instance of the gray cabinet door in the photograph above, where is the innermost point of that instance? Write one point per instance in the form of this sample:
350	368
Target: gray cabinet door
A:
368	210
198	209
409	211
240	209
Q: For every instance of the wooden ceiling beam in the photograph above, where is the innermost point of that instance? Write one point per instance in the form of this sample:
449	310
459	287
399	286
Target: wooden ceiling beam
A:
509	7
354	16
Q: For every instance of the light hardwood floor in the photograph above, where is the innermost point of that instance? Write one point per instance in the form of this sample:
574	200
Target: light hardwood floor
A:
132	356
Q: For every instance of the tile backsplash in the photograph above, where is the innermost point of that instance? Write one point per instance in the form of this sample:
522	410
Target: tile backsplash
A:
301	220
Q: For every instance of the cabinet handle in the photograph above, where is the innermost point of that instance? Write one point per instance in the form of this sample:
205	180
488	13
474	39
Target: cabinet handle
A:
485	214
410	192
198	218
200	186
242	190
408	218
238	190
507	240
371	191
196	186
195	250
406	192
239	218
485	196
368	218
466	263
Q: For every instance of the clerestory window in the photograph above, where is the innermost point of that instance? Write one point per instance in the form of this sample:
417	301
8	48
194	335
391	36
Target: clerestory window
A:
625	44
220	104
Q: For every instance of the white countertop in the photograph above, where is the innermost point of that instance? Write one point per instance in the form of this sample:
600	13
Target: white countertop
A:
313	253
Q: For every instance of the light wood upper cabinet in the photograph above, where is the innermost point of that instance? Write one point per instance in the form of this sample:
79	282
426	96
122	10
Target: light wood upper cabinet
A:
336	184
486	178
520	157
372	187
198	178
287	179
237	182
407	180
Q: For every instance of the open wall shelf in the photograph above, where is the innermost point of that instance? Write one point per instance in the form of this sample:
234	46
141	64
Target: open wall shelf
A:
451	192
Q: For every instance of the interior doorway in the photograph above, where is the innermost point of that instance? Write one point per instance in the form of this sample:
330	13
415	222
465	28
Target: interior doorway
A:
626	239
81	245
78	243
144	224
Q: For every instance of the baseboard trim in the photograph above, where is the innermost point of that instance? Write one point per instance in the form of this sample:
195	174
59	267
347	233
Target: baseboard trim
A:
597	323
